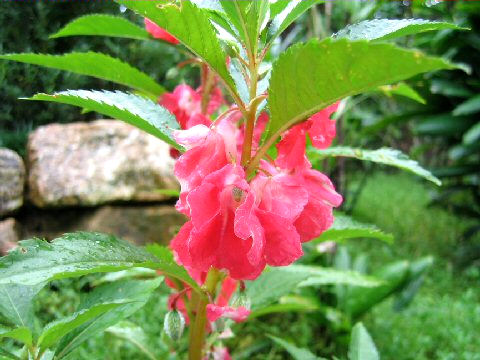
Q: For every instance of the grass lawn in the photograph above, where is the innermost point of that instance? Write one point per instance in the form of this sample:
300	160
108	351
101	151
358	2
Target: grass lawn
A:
443	321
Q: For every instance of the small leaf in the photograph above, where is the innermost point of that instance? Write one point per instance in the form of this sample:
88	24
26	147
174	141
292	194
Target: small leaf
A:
402	89
102	25
443	124
291	12
22	334
471	106
472	135
344	227
93	64
191	26
169	266
296	352
309	77
16	303
133	109
384	156
133	333
55	330
131	295
362	346
330	276
385	29
284	307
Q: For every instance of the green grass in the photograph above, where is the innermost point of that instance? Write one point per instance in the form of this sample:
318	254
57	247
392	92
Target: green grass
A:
444	319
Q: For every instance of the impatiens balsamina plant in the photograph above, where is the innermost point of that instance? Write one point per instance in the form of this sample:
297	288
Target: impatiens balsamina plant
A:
250	193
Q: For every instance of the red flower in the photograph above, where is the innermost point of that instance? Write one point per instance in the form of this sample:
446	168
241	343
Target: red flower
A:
158	33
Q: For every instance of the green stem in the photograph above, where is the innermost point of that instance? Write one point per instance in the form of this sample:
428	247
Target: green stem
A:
197	331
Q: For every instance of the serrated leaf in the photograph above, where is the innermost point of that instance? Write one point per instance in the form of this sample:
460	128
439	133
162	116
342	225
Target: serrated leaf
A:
133	333
291	12
296	352
93	64
75	254
471	106
36	261
102	25
55	330
344	227
402	89
16	303
133	109
191	26
362	346
131	294
386	29
386	156
308	77
22	334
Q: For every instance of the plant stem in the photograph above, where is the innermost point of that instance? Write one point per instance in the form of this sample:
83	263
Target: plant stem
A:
197	331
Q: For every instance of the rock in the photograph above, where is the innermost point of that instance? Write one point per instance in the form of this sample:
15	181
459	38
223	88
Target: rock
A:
12	179
8	235
94	163
138	224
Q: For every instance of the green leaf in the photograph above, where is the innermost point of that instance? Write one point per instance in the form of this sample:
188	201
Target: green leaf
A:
286	306
361	299
22	334
296	352
288	15
191	26
472	135
402	89
384	156
308	77
133	333
16	303
36	261
134	110
449	88
385	29
362	346
329	276
130	294
443	124
93	64
55	330
276	282
344	227
471	106
169	266
102	25
76	254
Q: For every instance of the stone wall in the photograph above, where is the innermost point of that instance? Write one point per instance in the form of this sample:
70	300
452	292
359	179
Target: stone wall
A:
100	176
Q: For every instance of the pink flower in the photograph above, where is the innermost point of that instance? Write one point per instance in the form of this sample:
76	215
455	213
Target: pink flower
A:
210	239
218	353
186	104
320	128
158	33
215	312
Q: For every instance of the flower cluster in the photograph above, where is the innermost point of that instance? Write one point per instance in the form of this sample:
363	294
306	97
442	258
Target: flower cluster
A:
238	224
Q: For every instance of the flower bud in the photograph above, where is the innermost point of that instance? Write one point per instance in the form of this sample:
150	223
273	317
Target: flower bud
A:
173	324
172	73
